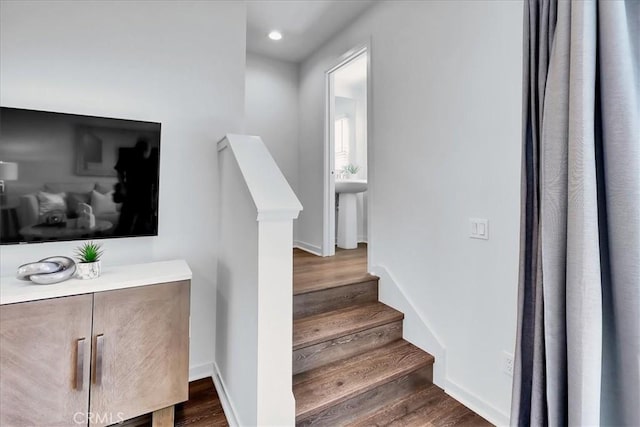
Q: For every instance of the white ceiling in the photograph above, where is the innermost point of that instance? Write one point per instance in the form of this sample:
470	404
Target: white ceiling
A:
305	24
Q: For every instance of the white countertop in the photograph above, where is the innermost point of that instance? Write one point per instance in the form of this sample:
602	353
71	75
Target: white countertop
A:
13	290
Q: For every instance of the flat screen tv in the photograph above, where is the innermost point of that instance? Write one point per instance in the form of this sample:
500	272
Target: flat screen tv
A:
74	177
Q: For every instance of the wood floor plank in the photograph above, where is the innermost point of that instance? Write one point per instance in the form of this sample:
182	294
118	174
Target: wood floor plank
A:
334	298
321	388
321	354
318	280
335	367
362	405
441	410
203	409
326	326
399	408
434	405
312	273
468	419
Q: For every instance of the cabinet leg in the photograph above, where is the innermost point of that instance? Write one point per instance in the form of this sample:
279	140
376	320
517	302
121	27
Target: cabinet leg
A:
163	417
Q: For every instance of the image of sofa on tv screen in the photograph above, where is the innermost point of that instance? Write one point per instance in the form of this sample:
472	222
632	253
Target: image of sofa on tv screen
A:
62	199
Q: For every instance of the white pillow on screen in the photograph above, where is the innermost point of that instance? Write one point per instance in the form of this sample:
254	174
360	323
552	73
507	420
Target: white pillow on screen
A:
102	203
49	202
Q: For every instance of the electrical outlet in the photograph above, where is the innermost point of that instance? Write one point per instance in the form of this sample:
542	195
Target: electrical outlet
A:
507	363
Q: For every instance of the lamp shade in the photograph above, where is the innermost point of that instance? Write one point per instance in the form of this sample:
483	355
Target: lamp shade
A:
8	171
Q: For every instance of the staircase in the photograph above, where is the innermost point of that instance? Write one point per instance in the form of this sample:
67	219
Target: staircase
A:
350	363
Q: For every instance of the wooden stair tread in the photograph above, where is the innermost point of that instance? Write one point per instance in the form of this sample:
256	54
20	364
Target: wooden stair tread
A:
329	385
326	326
440	409
313	280
439	404
335	298
326	352
400	407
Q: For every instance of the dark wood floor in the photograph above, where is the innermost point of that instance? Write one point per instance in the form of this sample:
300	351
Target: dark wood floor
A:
203	409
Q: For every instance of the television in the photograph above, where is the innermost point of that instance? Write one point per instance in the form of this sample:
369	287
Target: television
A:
75	177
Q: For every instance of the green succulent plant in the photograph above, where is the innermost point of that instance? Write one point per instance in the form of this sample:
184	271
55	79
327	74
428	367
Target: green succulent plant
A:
351	169
89	252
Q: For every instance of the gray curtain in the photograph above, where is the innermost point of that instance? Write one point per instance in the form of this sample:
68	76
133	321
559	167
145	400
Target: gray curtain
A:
578	353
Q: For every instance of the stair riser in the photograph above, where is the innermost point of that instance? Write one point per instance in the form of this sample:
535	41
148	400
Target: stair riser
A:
330	351
334	298
370	401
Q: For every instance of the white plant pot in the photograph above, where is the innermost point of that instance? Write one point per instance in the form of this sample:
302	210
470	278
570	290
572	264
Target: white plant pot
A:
88	270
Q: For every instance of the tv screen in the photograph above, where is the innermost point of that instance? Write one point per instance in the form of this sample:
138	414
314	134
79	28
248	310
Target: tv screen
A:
74	177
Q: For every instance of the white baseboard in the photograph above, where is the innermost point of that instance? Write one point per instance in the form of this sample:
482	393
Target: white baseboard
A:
476	404
308	247
200	371
227	406
417	328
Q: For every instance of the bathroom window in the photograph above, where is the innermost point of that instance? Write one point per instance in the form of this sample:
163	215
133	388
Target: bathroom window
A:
342	143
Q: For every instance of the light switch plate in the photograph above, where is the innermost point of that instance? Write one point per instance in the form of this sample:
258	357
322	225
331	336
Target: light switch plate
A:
479	228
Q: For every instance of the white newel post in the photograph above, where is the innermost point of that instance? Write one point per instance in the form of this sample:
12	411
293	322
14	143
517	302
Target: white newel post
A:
276	404
255	285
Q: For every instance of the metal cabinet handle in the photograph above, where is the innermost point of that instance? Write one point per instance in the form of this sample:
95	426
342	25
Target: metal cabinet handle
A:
79	363
99	351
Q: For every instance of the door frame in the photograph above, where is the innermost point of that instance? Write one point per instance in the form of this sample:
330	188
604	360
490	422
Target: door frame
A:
329	196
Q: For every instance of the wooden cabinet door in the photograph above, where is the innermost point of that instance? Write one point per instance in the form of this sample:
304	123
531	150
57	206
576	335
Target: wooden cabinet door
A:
45	351
140	351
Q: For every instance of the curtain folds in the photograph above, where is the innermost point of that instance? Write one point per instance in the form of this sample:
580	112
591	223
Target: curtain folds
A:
577	351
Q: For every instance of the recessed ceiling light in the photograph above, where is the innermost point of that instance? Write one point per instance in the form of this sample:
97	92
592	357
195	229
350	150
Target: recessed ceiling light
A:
275	35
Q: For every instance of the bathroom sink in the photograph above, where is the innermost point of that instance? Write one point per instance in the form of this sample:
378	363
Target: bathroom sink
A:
351	186
347	211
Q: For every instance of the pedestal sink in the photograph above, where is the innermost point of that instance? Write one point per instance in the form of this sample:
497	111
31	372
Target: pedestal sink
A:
347	211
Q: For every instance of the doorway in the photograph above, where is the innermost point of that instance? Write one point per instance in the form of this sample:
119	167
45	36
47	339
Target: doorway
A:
346	218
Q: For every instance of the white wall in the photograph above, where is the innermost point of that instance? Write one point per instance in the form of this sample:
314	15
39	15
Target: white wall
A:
271	106
445	146
271	110
179	63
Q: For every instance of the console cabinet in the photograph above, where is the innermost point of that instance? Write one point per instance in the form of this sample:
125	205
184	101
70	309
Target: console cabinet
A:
95	359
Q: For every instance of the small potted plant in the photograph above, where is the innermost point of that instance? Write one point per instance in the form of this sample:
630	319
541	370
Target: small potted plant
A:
88	265
350	170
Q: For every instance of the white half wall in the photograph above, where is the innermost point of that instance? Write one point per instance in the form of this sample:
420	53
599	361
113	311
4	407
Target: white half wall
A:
237	300
445	146
180	63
